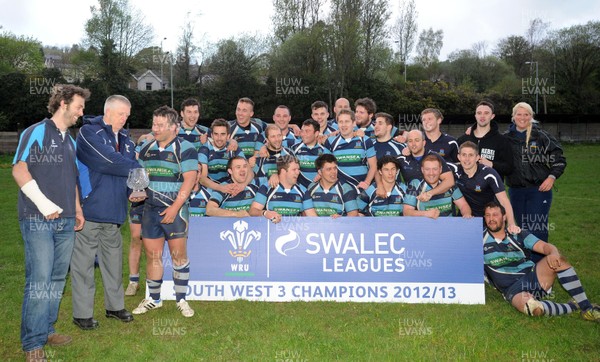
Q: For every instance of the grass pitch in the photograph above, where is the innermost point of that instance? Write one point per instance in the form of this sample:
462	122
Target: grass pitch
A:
324	331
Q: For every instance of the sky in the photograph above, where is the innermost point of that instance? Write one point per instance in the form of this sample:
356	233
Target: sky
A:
464	22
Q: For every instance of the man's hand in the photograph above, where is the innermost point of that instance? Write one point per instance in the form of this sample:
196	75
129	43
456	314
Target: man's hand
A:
169	215
297	131
405	152
233	189
363	185
263	152
484	161
400	138
79	221
232	146
424	197
274	180
204	138
53	216
137	199
359	133
380	191
553	261
513	229
547	184
433	213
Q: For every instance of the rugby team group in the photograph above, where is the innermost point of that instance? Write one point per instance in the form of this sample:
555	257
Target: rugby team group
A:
74	194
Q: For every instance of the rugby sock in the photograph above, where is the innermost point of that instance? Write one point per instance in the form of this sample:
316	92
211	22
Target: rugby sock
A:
570	281
135	278
154	288
551	308
181	277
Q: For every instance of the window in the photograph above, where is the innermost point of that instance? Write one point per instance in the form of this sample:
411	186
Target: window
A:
148	86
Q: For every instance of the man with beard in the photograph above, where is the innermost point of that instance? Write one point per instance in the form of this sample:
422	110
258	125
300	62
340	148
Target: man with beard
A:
524	283
44	168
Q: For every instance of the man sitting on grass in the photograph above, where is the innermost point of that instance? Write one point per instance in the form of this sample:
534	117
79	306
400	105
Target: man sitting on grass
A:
522	282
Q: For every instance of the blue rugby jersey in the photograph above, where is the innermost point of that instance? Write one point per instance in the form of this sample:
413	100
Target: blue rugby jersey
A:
339	199
51	162
216	160
443	202
331	128
166	168
241	201
389	148
506	261
410	167
369	131
192	135
445	146
290	202
352	155
479	189
307	156
370	204
266	167
246	137
199	200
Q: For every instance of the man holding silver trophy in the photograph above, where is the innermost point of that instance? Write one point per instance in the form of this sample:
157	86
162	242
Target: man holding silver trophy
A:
172	165
106	155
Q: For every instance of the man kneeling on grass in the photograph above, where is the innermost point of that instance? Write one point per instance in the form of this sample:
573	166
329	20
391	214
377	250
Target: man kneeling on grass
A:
522	282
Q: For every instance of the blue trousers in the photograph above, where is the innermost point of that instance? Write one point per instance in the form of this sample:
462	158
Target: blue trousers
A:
48	249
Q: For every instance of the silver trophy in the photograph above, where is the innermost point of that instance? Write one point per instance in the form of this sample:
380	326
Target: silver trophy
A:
137	181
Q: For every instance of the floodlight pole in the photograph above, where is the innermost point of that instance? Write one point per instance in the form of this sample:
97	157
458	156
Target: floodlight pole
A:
537	85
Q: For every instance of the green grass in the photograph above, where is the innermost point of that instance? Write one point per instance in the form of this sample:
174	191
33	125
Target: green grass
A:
318	331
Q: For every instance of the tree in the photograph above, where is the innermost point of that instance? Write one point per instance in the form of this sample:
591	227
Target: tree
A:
576	50
20	54
344	39
373	18
404	32
118	31
292	16
185	52
117	21
535	33
515	50
429	47
235	76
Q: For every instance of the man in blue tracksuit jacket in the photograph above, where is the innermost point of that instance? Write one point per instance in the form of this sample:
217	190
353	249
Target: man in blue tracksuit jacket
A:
105	155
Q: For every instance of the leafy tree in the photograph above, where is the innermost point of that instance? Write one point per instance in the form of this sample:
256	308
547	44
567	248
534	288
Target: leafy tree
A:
429	47
20	54
515	50
576	51
404	31
292	16
118	31
234	77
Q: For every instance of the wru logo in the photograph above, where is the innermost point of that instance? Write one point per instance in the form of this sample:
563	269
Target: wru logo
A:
240	239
